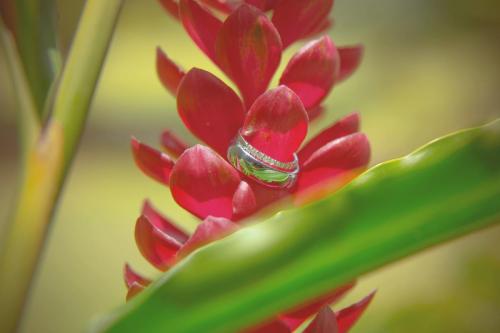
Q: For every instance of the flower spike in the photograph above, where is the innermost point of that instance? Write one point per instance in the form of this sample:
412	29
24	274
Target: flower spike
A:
253	158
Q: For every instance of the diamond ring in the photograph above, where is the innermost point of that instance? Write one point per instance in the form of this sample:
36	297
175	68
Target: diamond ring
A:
261	167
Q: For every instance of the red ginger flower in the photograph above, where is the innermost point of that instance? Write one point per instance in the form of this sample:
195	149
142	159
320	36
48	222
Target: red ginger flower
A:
247	46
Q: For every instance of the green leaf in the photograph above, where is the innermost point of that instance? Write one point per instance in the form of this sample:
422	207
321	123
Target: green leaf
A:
446	189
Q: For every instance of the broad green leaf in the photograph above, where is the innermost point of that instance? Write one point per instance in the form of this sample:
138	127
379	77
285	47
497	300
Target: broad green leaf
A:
446	189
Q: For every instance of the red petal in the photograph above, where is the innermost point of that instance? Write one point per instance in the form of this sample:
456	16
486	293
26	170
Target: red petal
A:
276	123
347	317
210	109
134	289
251	196
324	322
132	277
296	19
350	59
225	6
171	7
296	317
169	73
343	127
210	230
157	247
161	223
275	326
334	164
263	5
152	162
312	71
320	27
244	201
204	183
201	25
249	50
172	143
315	113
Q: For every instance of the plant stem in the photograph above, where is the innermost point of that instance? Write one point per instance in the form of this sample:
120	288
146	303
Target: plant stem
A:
29	125
48	159
37	42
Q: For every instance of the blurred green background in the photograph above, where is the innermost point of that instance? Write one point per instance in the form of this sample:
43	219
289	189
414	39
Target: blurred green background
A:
430	67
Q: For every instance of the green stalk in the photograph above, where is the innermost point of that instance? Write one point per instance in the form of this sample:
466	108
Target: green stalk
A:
48	159
29	125
35	31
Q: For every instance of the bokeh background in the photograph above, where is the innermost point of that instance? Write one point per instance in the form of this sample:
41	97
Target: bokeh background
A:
431	67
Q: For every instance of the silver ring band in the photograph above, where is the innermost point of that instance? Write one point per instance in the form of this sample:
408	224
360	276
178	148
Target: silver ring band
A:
261	167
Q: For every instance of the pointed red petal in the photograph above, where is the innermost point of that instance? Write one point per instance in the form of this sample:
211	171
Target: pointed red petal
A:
324	322
350	59
204	183
320	27
343	127
244	201
172	143
209	109
295	318
334	164
275	326
210	230
347	317
171	7
312	71
249	50
131	277
169	73
152	162
201	25
134	289
263	5
276	124
296	19
163	224
157	247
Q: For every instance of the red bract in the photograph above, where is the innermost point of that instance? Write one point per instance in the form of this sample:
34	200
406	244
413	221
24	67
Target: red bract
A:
247	46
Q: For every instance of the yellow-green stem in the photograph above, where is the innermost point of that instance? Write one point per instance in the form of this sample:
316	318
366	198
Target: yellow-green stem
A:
48	158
